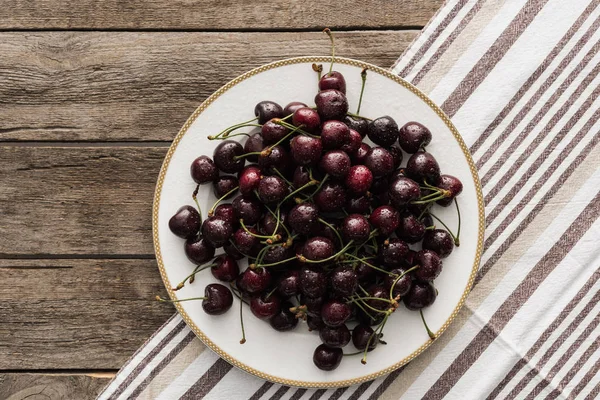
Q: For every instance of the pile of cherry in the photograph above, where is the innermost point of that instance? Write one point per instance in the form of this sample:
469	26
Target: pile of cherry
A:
327	222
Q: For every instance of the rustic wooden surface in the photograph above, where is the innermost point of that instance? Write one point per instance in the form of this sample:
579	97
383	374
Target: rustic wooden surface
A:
91	93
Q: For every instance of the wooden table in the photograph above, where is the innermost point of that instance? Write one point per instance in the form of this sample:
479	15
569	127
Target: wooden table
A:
91	94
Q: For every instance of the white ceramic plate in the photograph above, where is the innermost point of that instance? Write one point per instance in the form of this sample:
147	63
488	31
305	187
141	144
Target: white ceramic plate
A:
287	357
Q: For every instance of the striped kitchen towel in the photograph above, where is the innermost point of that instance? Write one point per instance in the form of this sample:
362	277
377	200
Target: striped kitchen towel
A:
519	78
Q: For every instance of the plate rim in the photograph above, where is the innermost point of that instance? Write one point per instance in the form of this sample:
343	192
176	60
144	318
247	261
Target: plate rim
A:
316	59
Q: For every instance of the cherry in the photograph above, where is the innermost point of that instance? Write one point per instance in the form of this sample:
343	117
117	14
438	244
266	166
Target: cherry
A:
267	110
247	208
226	268
335	337
313	305
303	218
315	323
359	179
218	299
292	107
427	220
393	252
225	156
272	189
452	185
327	358
198	250
385	219
301	177
313	283
379	161
276	255
223	185
204	170
330	232
318	248
344	281
401	286
423	167
334	134
268	224
255	280
363	335
440	241
354	143
364	272
288	284
254	144
249	179
421	295
358	157
356	227
360	125
331	197
396	155
378	292
216	231
306	150
284	320
185	223
226	212
307	119
231	251
383	131
335	313
333	80
335	163
272	132
430	265
246	242
402	191
410	229
265	307
277	157
413	136
358	205
331	104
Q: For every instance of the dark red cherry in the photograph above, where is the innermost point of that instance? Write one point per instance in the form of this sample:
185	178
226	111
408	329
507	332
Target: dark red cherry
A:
413	136
358	204
364	272
399	280
226	270
264	307
315	323
333	80
331	197
225	184
185	223
379	161
307	119
423	167
355	227
216	231
253	144
301	176
344	281
402	191
385	219
336	163
293	106
353	144
318	248
363	336
246	242
267	110
359	179
278	255
335	337
288	284
313	305
358	157
247	208
327	358
331	104
427	220
383	131
313	283
255	280
272	132
226	212
378	292
272	189
393	251
440	241
421	295
396	155
249	179
334	134
335	313
430	265
453	185
284	320
204	170
303	218
268	224
225	156
218	299
305	150
198	250
360	125
410	229
232	251
277	157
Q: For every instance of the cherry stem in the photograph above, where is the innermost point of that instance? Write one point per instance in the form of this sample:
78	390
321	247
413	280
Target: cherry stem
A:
356	301
373	298
318	68
191	276
363	76
429	199
287	117
278	220
309	183
179	301
320	185
252	153
339	253
194	197
275	263
271	292
282	177
332	228
457	240
352	354
369	265
431	334
328	32
376	333
436	192
225	132
292	131
358	116
239	251
237	294
228	136
295	128
400	277
272	237
365	311
454	237
211	212
425	210
243	339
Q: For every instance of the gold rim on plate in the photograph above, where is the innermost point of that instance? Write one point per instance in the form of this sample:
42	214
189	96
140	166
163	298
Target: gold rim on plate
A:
209	101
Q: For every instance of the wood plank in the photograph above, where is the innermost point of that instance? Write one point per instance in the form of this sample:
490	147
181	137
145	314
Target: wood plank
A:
50	386
214	15
77	314
126	86
77	200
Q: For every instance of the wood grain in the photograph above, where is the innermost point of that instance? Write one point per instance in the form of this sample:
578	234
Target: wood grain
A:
215	15
50	386
77	314
132	86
